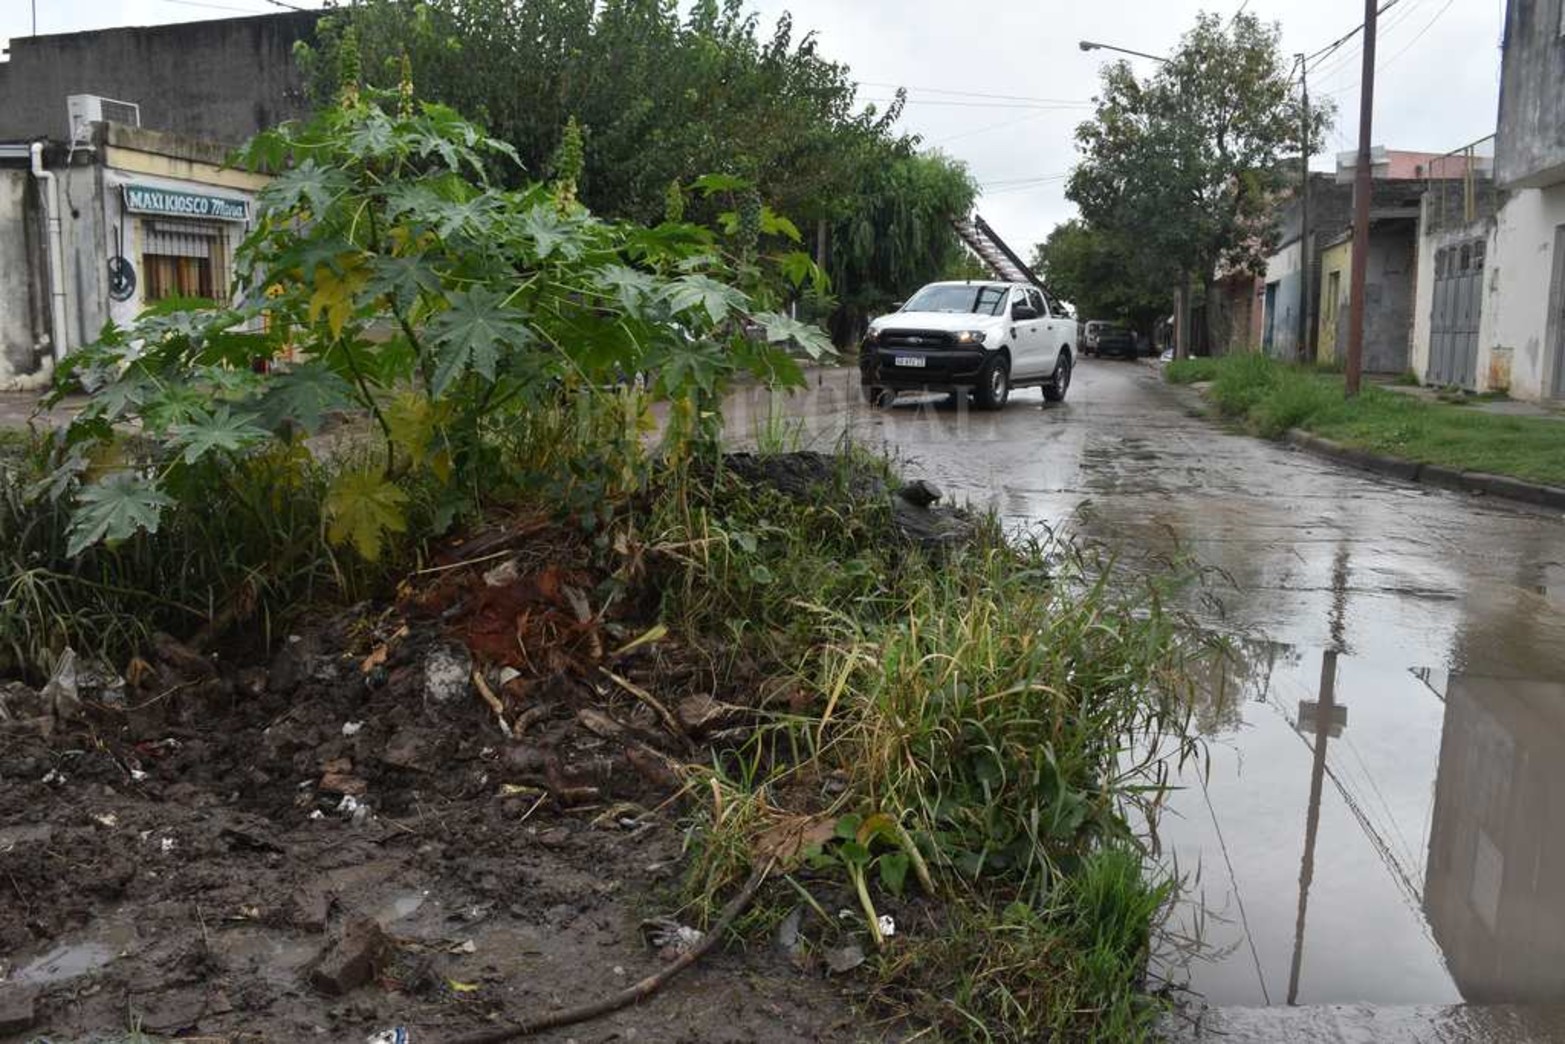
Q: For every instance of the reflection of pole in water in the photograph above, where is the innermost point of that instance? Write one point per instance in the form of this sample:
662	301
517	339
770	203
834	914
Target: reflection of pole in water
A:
1323	723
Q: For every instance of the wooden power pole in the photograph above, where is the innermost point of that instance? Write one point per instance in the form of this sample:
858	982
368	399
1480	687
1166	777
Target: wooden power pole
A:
1362	187
1306	269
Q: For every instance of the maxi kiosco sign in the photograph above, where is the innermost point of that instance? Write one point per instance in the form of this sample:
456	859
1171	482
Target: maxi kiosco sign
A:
146	199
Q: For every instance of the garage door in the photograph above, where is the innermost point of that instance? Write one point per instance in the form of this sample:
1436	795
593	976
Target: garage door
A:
1458	303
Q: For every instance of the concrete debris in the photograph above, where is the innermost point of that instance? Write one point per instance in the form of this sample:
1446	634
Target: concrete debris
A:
18	1009
448	670
352	960
920	493
844	959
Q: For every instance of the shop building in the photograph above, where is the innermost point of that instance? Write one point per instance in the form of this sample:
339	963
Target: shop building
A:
96	228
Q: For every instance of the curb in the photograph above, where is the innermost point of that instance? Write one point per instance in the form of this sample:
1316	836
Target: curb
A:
1431	474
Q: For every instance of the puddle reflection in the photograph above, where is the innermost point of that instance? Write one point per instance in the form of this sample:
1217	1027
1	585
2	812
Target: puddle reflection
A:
1367	833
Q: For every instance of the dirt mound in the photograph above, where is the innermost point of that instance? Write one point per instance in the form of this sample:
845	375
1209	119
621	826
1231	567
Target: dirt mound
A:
435	813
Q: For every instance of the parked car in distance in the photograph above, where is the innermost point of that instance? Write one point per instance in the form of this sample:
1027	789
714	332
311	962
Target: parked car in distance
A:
987	337
1103	337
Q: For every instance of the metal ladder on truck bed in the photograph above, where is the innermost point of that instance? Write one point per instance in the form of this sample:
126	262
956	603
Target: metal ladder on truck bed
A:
992	251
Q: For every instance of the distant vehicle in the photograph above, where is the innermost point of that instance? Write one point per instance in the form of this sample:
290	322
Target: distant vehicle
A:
987	337
1103	337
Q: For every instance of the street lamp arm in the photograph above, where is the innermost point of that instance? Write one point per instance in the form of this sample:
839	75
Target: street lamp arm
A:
1089	45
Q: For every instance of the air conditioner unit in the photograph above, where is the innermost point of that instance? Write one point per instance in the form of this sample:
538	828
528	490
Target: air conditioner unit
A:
90	108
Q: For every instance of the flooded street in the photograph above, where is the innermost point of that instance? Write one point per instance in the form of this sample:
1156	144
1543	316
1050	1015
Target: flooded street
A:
1378	838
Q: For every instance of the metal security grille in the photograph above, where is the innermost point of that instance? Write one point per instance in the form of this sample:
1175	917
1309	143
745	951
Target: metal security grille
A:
1457	309
184	259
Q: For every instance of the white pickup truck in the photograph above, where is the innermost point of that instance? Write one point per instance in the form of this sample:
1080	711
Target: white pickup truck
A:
978	336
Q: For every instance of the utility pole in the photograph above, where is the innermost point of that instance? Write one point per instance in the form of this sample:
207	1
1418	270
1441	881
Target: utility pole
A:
1362	186
1305	326
1325	709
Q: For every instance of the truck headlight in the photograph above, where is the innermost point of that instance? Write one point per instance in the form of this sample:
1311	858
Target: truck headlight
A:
970	337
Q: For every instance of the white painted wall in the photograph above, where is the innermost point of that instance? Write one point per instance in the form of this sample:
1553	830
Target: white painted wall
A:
1285	269
1516	305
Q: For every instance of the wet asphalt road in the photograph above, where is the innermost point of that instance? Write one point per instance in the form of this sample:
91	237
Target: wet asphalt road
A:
1378	849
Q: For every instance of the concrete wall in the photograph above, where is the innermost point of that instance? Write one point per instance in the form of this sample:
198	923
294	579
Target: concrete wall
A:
1530	144
223	79
1520	338
1388	297
1236	315
21	323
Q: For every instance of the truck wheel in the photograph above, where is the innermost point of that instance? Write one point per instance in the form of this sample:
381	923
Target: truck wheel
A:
1060	383
994	384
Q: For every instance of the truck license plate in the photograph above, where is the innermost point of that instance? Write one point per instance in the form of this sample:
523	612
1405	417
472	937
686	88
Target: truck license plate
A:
910	360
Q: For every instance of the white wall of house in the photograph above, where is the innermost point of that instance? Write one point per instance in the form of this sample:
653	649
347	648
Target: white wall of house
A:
1518	285
1284	269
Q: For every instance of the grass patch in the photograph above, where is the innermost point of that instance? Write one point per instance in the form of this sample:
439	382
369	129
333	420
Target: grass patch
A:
1190	371
960	726
1271	397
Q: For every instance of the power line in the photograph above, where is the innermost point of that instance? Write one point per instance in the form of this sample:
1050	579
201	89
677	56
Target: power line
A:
1350	34
970	94
1329	67
214	7
1350	88
1030	179
1047	107
990	127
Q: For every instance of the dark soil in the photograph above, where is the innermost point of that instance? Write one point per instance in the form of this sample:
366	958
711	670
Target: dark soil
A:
188	861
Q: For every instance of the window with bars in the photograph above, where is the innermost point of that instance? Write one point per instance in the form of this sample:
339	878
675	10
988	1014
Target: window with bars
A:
184	259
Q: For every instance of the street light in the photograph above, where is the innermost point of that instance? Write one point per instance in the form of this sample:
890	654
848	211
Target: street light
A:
1088	45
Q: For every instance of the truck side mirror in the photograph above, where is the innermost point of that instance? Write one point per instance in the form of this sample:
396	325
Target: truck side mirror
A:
896	306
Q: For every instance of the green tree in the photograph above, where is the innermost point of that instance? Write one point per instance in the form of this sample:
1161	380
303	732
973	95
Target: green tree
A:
1101	274
1186	165
897	235
657	98
707	93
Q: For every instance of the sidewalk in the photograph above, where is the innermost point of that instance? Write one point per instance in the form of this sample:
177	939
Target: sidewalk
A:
1476	403
18	409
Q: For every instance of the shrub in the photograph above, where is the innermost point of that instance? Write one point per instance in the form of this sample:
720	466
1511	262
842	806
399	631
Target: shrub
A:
440	307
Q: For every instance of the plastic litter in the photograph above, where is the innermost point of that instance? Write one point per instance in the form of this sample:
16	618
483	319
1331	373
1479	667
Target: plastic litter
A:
888	927
671	938
395	1035
60	695
351	728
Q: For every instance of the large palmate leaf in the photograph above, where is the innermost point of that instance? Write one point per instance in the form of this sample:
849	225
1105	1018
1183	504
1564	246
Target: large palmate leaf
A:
361	507
630	287
115	509
303	396
307	187
220	431
697	292
780	329
471	333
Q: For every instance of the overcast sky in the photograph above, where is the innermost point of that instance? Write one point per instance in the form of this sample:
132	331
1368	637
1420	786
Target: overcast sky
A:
1436	90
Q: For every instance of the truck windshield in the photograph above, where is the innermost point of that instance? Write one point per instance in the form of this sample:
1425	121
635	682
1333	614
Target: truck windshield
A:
981	299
